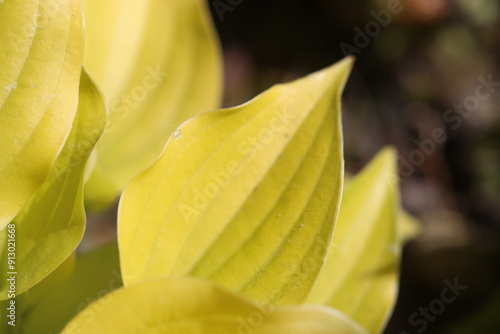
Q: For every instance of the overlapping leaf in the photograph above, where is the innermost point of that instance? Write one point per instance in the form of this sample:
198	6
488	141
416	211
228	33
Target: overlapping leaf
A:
360	277
51	224
246	197
190	306
158	64
41	45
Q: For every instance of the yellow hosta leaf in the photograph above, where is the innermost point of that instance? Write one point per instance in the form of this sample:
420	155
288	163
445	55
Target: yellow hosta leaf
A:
246	197
360	276
95	275
158	64
51	224
409	226
190	306
41	45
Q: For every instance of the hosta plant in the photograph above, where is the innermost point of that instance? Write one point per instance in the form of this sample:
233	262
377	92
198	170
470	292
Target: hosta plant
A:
235	220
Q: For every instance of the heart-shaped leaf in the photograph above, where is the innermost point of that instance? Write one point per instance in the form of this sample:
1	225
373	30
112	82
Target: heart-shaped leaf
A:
190	306
41	45
158	64
247	197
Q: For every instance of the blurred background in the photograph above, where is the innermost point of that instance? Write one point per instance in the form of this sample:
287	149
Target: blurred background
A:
414	84
427	81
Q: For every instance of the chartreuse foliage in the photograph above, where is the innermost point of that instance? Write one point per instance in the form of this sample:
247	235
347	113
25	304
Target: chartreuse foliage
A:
361	271
195	306
242	224
158	64
246	197
51	224
41	45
